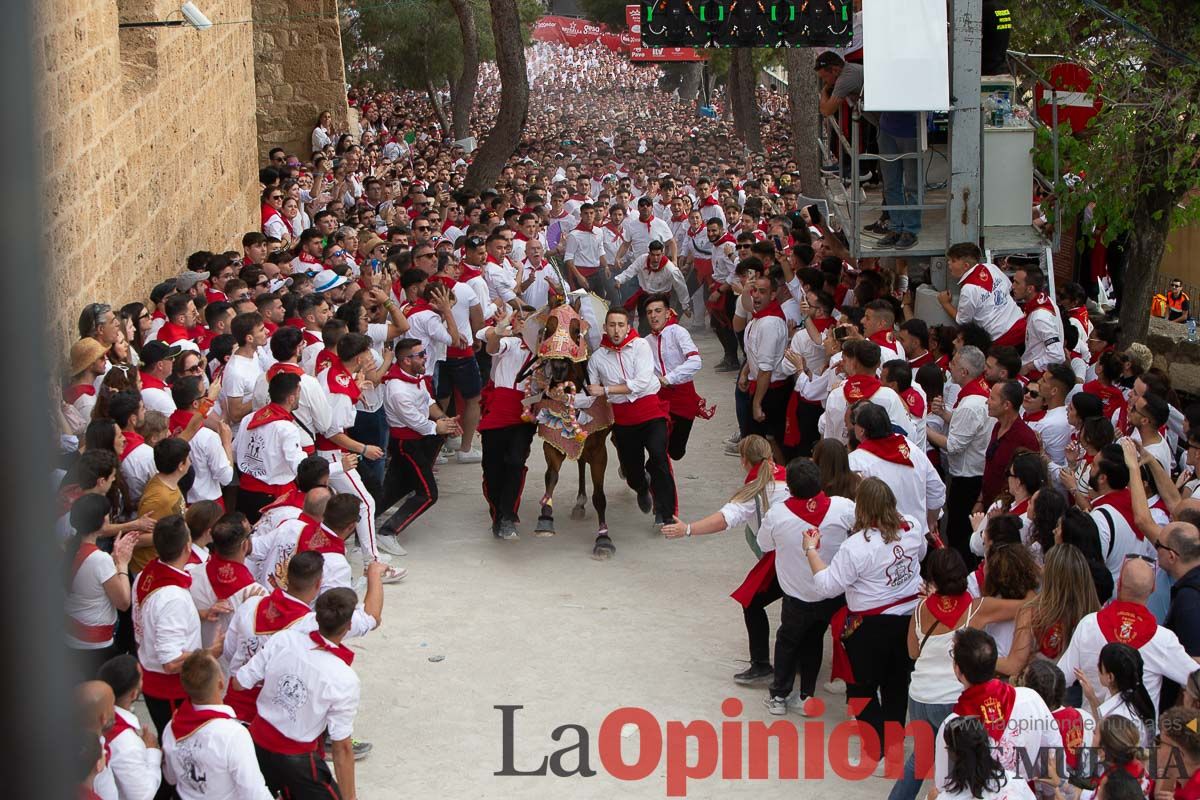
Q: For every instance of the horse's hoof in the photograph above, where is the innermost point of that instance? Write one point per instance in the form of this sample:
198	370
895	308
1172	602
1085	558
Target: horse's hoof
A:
578	513
603	549
544	527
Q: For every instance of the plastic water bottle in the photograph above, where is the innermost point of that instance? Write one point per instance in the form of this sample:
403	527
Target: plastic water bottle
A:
1005	112
1191	328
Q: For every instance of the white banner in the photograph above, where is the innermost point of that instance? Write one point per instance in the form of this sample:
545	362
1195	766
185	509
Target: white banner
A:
906	56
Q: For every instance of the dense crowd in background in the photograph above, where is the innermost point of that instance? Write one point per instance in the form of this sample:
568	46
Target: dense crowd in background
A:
994	518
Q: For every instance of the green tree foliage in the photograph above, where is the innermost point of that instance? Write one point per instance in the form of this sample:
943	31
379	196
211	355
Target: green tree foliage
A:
1140	155
609	12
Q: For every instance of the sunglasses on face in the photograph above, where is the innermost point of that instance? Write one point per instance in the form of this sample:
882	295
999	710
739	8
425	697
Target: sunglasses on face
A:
276	197
421	228
1032	393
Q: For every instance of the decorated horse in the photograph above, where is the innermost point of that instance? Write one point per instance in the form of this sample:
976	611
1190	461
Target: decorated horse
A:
572	425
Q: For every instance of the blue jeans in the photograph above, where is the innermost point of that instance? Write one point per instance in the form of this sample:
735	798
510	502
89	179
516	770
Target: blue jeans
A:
900	182
935	714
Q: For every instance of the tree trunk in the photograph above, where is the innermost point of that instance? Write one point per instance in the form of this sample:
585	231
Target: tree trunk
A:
742	81
462	92
805	118
689	86
505	135
1147	243
443	123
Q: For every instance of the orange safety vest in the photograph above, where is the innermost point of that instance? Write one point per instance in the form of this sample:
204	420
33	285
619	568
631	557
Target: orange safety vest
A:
1176	303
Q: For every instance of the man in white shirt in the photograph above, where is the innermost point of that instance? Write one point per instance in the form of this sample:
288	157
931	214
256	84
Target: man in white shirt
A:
212	452
1127	620
209	755
676	362
1044	340
985	296
308	689
1019	724
860	362
313	414
243	368
1054	430
643	229
267	447
540	276
889	456
622	370
764	376
897	375
165	622
157	360
965	442
799	644
655	274
585	257
417	428
127	409
222	583
1112	509
1148	415
134	756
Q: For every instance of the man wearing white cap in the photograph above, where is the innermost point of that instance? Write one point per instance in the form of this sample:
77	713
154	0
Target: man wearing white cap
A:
326	281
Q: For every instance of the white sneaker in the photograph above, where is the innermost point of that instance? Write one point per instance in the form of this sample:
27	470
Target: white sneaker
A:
389	544
731	449
441	459
394	575
734	438
798	703
468	456
837	686
777	706
452	444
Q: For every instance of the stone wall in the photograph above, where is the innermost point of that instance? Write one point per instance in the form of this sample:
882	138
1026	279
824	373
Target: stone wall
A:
148	145
299	72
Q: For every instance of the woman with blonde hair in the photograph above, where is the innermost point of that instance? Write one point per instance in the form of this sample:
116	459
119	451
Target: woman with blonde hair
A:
1045	625
878	568
765	485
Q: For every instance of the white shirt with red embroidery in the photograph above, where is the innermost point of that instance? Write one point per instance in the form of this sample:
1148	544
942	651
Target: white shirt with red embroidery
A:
87	602
783	532
136	768
1031	728
271	453
271	551
166	625
1162	657
241	641
204	597
676	357
632	365
313	413
305	690
214	762
918	488
407	405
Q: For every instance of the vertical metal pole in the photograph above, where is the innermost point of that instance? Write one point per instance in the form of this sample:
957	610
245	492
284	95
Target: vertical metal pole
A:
966	124
36	696
855	174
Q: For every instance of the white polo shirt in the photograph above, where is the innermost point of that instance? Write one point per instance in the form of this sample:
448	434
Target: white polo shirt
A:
216	761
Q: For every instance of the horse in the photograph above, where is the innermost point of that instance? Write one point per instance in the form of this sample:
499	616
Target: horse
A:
558	374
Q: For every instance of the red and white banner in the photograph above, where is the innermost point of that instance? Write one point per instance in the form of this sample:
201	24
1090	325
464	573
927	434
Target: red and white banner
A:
665	54
567	30
573	32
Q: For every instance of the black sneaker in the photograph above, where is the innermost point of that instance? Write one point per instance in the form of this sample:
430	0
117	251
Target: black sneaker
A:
757	672
728	366
905	241
879	227
830	169
645	501
888	239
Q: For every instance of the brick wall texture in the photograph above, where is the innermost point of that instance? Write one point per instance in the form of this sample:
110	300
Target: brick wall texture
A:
150	141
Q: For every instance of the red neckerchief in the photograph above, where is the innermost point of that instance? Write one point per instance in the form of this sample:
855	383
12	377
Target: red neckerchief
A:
284	367
73	393
132	441
694	231
680	218
810	509
944	363
467	272
662	262
276	612
893	449
1127	623
81	555
884	339
339	650
294	322
822	324
629	337
1040	302
647	223
1122	502
294	498
584	228
305	258
860	387
583	198
340	381
976	388
1019	508
709	201
921	360
268	212
394	373
1070	728
991	702
226	577
1035	416
271	412
520	237
156	575
948	608
317	538
193	556
188	719
151	382
1080	314
1112	396
616	231
324	359
980	276
180	418
779	473
171	333
913	402
771	309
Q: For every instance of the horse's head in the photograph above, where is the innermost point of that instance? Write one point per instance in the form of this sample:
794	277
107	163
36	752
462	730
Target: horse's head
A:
563	336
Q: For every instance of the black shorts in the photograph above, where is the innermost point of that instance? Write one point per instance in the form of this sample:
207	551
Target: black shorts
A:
774	405
458	373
